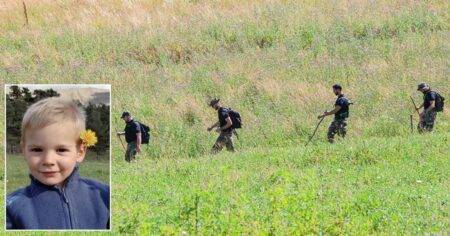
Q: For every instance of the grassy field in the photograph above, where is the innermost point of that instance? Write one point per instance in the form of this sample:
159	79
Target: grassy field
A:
370	186
275	62
17	171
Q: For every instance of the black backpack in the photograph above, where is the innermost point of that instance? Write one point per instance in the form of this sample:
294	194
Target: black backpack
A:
145	133
439	103
235	118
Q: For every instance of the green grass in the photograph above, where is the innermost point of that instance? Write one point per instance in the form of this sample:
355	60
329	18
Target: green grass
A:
371	186
275	62
18	174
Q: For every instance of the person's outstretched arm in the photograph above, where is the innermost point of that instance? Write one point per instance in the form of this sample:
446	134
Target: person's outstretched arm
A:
213	126
327	113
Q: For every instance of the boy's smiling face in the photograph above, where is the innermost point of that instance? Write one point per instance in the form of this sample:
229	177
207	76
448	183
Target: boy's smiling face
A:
52	152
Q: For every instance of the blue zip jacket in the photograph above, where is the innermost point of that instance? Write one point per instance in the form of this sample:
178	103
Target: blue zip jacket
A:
81	204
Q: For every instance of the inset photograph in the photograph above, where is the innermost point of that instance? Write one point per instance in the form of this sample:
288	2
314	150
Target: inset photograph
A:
57	157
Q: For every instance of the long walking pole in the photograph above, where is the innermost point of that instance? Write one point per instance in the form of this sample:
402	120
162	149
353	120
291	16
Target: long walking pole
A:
123	146
315	130
411	122
417	110
415	107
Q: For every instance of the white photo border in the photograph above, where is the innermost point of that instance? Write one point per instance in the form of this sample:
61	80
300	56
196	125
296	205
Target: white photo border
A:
45	86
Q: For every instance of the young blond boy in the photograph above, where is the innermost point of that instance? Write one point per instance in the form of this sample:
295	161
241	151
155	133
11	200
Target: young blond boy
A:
57	198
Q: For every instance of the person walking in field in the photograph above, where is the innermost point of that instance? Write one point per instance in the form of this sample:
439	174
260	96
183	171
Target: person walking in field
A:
341	112
433	102
228	121
133	136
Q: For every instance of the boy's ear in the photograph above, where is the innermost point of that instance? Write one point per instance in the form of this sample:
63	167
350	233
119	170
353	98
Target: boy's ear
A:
81	153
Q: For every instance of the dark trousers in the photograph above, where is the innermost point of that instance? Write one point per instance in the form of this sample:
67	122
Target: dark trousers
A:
427	122
337	127
130	154
224	139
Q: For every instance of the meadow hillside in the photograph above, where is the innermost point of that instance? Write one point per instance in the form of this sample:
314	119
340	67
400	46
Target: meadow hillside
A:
275	62
357	187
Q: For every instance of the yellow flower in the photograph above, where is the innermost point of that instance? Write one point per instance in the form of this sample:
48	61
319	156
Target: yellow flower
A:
88	138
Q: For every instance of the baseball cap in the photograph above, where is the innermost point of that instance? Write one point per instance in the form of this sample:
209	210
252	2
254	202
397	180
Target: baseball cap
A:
213	102
125	113
422	85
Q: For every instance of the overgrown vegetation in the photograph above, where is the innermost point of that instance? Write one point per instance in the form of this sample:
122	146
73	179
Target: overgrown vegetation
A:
275	62
368	186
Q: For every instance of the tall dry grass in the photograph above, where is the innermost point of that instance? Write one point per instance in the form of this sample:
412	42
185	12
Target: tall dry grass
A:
274	61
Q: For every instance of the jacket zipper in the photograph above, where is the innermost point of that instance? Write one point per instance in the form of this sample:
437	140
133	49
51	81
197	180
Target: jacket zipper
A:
66	200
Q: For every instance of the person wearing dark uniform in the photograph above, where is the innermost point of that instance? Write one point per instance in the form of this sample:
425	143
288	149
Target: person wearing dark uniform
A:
224	128
428	115
133	137
341	112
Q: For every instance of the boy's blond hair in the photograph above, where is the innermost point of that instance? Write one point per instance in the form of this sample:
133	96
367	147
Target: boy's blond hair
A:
52	110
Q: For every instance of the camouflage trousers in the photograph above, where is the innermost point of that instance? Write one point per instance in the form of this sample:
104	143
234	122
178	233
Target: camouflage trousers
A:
225	139
130	154
427	122
337	127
